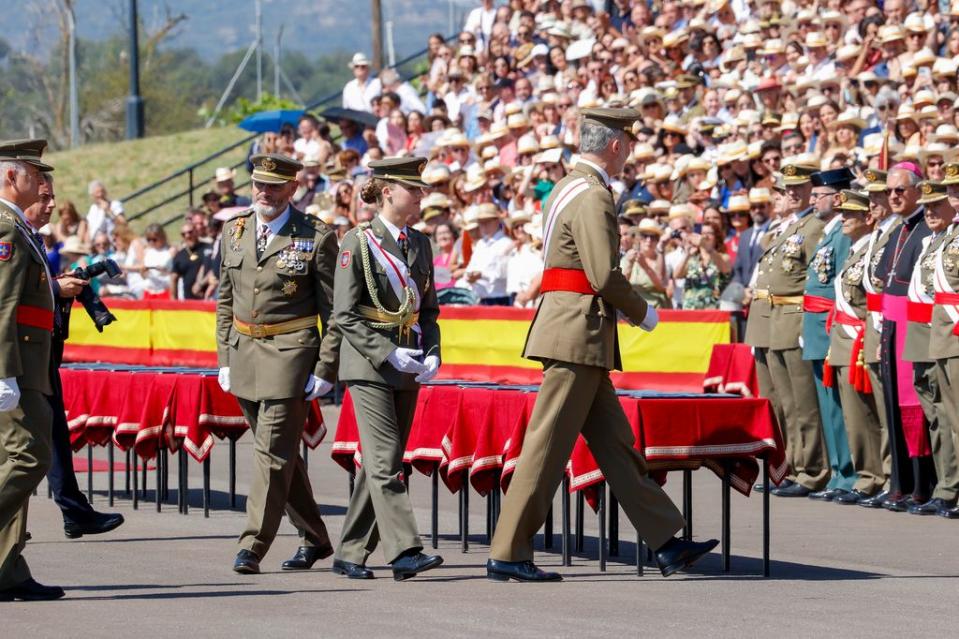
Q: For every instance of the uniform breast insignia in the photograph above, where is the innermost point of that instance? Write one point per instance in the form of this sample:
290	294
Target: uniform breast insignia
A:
822	264
291	260
953	247
927	267
346	258
792	247
236	233
289	288
6	251
853	275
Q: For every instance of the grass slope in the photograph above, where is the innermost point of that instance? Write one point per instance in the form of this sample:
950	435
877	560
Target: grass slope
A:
127	166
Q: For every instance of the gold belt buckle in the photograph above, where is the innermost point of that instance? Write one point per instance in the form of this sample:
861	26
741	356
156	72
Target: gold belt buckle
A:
257	331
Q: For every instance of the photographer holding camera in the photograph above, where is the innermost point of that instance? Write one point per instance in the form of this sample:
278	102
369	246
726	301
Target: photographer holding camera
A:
79	517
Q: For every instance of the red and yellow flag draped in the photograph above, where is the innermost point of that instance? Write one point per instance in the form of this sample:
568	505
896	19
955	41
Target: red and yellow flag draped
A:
479	343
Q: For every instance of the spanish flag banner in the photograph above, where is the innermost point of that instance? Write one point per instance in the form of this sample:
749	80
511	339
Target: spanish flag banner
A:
479	343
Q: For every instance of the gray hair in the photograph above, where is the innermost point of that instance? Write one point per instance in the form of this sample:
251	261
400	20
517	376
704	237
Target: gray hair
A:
8	165
913	178
596	138
93	185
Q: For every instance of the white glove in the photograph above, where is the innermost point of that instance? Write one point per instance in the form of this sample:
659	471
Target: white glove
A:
432	364
316	387
651	320
223	379
404	360
800	341
9	394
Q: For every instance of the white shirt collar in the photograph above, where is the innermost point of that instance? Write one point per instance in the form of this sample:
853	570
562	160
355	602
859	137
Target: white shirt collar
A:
276	223
602	172
392	228
860	243
886	222
831	224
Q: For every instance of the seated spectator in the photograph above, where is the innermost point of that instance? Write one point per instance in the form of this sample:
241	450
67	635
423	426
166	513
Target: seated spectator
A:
486	272
644	266
156	266
70	223
224	186
103	213
705	268
187	264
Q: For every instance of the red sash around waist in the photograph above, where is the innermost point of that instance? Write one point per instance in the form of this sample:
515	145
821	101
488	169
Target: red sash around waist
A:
848	320
947	298
874	302
919	312
570	280
857	376
35	316
816	304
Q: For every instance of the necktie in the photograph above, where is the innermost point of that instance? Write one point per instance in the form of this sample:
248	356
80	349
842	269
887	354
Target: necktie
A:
404	244
262	238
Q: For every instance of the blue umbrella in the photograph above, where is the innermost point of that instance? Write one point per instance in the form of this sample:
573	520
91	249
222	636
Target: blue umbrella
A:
265	121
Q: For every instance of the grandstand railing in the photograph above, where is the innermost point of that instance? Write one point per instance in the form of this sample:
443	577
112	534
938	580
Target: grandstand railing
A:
197	175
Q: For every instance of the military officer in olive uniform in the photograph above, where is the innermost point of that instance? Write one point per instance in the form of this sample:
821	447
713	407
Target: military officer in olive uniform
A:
884	224
787	260
574	335
818	303
846	355
276	279
760	309
26	331
938	214
944	331
386	310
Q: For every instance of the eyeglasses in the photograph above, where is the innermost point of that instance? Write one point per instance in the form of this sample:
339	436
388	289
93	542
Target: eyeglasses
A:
822	194
900	190
152	239
934	163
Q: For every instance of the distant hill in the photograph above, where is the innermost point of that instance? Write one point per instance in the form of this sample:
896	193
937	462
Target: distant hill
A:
217	26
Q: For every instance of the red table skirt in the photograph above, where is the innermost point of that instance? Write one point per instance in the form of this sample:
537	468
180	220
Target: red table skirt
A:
732	369
476	433
146	410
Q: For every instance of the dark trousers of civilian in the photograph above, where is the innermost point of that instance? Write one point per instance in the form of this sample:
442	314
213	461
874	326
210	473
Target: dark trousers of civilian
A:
63	479
914	475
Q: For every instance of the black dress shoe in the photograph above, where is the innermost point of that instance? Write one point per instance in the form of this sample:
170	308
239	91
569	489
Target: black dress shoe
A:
97	524
897	503
247	563
793	490
518	570
677	554
851	497
949	513
30	590
413	564
351	570
27	536
931	507
876	500
306	556
828	494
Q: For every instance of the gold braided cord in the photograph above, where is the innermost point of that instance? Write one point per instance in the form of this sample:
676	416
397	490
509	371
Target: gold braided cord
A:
402	316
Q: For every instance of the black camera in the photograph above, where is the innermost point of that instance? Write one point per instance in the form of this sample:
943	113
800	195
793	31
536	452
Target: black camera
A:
92	303
676	235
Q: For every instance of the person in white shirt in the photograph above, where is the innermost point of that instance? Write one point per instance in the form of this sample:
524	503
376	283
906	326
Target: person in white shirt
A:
486	272
480	21
390	81
104	213
360	91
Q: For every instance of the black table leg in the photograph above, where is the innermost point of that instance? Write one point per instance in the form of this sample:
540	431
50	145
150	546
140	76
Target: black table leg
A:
90	473
135	473
143	487
567	542
232	473
159	480
727	542
206	487
465	516
110	484
640	554
601	517
126	474
580	527
688	504
548	530
613	525
435	511
765	516
185	483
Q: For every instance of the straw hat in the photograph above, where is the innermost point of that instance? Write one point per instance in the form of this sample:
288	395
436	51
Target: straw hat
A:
923	97
470	220
359	60
759	196
549	156
434	202
643	153
773	47
674	124
915	23
850	118
634	208
527	144
890	33
493	167
489	152
487	211
923	58
945	151
732	152
681	210
675	38
906	112
74	246
928	112
224	173
789	122
650	226
848	53
475	178
659	207
435	173
737	203
946	133
816	40
548	142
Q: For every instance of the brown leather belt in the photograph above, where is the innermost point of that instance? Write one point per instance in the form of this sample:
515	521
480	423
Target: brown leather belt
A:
783	300
258	331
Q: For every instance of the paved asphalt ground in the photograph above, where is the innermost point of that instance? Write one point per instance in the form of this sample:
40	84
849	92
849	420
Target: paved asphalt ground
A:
837	570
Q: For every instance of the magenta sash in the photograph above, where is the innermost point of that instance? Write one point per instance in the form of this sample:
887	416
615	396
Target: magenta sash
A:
913	419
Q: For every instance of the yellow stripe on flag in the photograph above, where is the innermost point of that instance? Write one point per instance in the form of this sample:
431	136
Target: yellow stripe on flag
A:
674	347
184	330
485	342
131	330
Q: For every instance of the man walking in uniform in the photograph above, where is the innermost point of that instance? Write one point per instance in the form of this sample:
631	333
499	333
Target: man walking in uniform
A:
818	302
26	326
276	277
574	335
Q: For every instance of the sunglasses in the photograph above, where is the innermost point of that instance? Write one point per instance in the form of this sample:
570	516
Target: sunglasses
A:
648	236
900	190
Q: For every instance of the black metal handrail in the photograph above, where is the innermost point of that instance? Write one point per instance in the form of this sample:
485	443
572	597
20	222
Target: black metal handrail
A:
190	169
